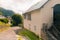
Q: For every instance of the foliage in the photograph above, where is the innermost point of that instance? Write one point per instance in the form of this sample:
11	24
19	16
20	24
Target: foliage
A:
16	20
29	34
0	13
5	20
4	26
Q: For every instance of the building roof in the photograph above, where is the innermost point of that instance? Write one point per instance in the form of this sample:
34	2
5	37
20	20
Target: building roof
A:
37	5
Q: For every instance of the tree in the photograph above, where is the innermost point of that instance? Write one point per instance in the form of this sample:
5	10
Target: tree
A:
0	13
16	20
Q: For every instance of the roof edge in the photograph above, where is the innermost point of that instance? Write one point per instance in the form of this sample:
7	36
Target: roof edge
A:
37	8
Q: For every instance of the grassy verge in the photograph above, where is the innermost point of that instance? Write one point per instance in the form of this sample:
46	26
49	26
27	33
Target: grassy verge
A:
4	27
29	34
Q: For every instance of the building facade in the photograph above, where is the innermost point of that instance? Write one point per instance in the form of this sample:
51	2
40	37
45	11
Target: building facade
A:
34	20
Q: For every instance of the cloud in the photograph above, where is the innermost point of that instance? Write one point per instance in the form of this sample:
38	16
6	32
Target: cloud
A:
18	6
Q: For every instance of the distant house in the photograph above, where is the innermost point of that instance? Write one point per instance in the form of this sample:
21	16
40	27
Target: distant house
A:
40	15
1	17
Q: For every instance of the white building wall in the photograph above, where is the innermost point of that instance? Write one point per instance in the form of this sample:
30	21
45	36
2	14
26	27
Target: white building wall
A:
41	16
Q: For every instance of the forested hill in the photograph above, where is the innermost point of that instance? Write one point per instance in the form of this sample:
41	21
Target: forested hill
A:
6	12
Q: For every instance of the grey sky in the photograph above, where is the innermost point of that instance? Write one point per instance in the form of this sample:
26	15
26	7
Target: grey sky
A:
18	6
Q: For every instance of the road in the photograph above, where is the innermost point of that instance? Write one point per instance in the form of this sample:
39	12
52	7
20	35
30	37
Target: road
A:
8	35
22	37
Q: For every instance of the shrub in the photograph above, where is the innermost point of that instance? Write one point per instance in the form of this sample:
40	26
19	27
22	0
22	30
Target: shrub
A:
5	20
0	13
4	26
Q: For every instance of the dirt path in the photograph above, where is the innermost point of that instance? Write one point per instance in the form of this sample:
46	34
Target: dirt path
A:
17	28
8	35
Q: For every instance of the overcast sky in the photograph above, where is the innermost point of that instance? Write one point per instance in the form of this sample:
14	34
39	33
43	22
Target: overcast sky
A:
17	5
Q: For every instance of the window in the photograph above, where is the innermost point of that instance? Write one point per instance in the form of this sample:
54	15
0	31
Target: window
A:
45	25
24	16
27	16
35	28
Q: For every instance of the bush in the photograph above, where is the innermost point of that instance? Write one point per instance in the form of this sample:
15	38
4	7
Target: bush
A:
5	20
0	13
16	20
4	26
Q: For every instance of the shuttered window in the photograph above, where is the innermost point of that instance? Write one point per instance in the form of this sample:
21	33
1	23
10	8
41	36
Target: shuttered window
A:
27	16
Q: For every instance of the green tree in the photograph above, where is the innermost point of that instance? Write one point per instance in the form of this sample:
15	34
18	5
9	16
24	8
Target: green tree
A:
17	19
0	13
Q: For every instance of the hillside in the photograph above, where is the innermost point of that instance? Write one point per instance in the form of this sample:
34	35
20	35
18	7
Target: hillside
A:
6	12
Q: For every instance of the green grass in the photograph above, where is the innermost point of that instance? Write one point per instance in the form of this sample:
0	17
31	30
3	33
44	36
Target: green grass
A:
29	34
